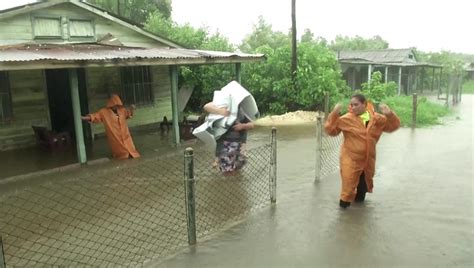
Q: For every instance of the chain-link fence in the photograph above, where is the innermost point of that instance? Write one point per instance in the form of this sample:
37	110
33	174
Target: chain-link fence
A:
128	216
223	199
327	151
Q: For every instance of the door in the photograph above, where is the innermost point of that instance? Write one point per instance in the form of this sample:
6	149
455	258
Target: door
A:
60	102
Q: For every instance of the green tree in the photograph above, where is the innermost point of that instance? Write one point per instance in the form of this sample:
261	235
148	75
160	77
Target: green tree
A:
263	34
358	43
136	10
270	81
186	35
204	78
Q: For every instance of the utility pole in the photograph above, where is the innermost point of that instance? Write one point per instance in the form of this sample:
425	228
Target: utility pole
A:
118	8
294	59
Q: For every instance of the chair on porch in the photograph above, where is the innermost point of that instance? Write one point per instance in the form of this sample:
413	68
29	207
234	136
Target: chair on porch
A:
51	140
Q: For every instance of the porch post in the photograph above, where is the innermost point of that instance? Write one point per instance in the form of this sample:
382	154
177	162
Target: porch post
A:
386	74
432	79
238	74
174	102
369	75
440	77
76	108
399	80
354	77
416	79
422	79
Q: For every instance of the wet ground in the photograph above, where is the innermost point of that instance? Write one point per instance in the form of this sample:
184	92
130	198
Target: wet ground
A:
420	214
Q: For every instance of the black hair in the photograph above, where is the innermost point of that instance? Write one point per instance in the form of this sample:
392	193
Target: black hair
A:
359	97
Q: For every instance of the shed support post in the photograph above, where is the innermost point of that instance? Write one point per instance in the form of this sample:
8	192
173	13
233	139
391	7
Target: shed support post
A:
399	80
369	75
238	73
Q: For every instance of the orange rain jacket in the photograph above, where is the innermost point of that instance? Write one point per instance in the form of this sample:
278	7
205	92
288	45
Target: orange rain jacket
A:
358	148
116	128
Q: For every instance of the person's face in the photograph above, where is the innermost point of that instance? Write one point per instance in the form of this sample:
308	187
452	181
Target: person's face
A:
357	107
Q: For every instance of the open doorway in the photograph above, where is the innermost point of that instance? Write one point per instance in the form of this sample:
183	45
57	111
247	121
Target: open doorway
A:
60	102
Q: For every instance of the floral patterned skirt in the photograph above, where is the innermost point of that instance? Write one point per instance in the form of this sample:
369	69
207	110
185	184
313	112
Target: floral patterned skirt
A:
230	157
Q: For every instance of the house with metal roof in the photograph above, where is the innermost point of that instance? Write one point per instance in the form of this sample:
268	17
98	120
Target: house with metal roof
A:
62	59
469	68
398	65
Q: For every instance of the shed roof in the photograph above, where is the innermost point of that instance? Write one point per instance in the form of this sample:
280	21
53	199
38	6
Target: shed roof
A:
390	57
45	56
469	67
380	55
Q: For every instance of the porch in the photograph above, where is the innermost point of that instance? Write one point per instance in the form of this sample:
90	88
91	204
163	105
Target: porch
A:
59	83
33	161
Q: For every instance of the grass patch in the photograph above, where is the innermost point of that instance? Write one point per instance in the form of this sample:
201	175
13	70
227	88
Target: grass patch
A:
428	113
468	87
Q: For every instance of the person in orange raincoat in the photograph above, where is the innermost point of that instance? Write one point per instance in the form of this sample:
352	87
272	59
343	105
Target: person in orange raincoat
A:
114	117
362	128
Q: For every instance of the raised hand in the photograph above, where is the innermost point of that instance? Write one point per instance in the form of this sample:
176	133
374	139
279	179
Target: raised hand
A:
385	109
337	108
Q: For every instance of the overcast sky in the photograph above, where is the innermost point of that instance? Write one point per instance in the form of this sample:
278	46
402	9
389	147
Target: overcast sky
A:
427	25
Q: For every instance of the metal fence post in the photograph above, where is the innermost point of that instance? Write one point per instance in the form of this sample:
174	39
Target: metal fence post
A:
3	263
326	105
415	106
319	147
189	184
273	167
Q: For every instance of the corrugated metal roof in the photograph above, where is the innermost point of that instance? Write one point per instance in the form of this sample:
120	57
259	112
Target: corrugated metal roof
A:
388	57
469	67
378	56
95	52
402	64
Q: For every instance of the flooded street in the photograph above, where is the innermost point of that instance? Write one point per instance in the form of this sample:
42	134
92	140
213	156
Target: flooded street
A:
420	214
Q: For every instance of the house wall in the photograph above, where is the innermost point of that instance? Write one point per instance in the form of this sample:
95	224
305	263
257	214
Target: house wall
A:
18	29
103	81
29	91
29	104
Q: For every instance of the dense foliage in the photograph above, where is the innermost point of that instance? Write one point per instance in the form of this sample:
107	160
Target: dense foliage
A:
269	81
376	91
136	10
358	43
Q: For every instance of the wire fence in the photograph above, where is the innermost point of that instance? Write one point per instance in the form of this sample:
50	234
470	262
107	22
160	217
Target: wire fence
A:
224	199
128	216
331	147
327	151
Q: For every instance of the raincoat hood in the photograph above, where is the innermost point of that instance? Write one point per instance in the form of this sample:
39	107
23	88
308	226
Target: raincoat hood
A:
114	101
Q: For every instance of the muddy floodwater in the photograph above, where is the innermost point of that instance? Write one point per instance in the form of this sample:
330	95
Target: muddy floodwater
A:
420	214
